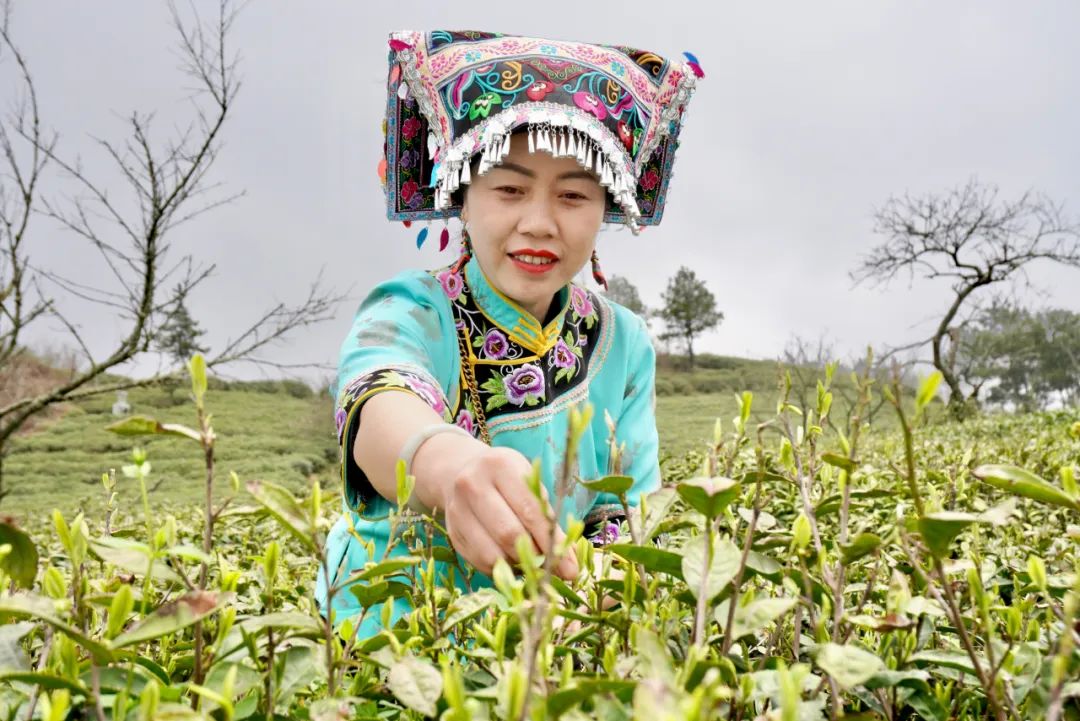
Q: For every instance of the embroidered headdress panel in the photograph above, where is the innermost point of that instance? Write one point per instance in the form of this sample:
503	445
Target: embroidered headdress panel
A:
456	95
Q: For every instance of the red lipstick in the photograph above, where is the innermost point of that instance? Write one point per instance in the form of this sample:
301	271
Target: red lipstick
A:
549	258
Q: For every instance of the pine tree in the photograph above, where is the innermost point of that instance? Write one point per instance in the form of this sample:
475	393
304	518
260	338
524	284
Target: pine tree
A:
179	335
626	294
689	309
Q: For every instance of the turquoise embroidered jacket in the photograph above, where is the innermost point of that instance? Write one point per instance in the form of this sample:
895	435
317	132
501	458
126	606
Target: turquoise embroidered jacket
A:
404	338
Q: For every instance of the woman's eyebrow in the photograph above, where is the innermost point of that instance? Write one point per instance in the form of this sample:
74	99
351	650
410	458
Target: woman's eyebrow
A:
507	165
569	175
577	174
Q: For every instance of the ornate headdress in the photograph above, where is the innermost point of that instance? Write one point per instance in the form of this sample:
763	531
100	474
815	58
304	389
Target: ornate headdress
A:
453	95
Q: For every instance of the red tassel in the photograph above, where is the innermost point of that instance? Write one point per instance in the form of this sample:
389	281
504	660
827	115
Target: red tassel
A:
398	45
444	239
597	274
407	223
461	261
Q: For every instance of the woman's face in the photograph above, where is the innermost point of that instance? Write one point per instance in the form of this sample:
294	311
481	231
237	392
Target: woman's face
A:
533	222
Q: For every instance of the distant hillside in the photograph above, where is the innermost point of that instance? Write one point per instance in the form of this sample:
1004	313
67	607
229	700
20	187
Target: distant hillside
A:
272	430
282	431
714	374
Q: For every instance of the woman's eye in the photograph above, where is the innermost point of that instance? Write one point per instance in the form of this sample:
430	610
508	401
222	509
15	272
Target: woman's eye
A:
508	190
574	196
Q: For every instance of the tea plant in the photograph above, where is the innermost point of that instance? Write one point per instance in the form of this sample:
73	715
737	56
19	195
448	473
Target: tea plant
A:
801	567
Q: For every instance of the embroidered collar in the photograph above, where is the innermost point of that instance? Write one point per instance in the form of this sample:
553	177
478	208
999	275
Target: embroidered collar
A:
520	325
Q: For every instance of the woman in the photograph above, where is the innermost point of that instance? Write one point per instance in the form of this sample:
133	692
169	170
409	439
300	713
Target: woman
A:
533	144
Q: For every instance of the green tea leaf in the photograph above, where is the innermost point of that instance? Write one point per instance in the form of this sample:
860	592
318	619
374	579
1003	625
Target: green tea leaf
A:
46	681
12	656
842	462
948	659
615	485
43	609
145	426
290	620
119	610
658	503
722	568
21	562
173	616
848	665
284	507
416	683
197	370
652	559
862	545
756	615
940	529
1024	483
927	390
470	606
132	557
709	496
390	567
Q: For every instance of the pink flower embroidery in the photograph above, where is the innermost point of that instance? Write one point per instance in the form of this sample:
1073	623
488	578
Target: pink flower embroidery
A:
579	301
464	420
410	128
562	355
451	284
650	180
590	103
427	392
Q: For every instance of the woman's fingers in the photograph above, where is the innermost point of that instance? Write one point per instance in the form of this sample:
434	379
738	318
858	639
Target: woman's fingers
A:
471	539
535	520
502	522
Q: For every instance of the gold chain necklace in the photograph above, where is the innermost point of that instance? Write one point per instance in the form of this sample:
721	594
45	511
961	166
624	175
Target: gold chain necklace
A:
474	392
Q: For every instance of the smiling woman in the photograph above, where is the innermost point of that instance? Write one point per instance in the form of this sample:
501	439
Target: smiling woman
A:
469	373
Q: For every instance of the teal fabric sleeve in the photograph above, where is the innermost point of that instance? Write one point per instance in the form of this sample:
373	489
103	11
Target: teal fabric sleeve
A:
401	340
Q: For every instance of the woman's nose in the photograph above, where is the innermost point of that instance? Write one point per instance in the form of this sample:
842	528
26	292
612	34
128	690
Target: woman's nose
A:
537	216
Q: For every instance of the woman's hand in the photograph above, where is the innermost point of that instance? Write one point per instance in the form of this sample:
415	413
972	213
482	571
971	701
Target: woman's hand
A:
488	506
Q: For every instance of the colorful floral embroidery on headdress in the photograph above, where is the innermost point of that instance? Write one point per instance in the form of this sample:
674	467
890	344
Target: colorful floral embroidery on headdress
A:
453	95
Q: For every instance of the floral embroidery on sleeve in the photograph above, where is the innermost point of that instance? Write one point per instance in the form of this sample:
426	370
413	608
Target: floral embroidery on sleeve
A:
410	380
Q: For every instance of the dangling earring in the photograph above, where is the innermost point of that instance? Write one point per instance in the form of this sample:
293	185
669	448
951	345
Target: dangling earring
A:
597	274
466	251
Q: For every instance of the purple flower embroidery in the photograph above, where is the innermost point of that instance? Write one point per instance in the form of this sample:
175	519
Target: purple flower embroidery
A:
427	392
580	302
562	355
451	284
464	420
609	534
339	420
408	158
526	382
495	345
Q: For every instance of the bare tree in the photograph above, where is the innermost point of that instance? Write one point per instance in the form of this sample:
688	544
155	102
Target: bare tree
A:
972	239
163	184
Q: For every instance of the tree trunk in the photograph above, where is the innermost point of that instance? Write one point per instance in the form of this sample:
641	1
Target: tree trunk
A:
690	349
956	393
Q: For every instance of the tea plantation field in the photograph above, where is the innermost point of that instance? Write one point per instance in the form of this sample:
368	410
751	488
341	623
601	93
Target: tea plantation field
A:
799	563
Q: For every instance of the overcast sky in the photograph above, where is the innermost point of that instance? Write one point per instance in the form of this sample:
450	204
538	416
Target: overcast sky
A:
810	115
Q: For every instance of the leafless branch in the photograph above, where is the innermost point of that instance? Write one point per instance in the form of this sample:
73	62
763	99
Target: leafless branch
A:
161	185
973	238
